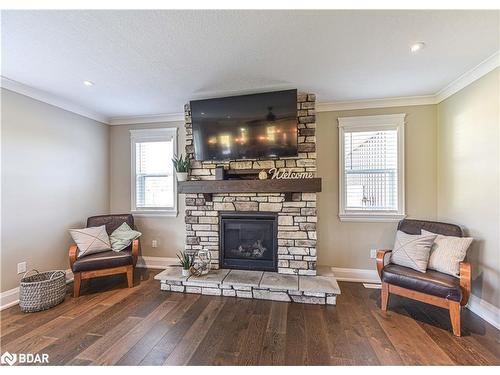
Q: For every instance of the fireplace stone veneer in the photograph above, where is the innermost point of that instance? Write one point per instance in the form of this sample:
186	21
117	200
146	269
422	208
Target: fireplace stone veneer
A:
296	218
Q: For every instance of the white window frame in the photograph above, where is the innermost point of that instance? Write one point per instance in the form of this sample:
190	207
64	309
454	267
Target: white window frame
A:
371	123
145	135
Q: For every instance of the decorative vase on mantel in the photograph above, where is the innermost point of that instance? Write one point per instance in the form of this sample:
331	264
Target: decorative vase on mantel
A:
184	271
181	166
181	176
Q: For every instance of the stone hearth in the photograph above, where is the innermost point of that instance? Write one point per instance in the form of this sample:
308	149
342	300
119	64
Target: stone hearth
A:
320	289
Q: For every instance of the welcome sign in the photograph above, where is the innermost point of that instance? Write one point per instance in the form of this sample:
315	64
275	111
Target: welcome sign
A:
287	173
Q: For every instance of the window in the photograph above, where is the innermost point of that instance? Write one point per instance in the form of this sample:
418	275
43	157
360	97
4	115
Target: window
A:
153	179
371	168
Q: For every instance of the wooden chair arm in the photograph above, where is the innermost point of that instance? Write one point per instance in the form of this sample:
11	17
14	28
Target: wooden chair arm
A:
135	251
380	260
465	282
73	254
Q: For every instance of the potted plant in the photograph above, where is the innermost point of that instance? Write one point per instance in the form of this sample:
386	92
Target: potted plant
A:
181	166
186	262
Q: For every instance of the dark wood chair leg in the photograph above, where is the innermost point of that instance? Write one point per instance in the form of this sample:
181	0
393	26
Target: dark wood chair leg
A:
455	317
384	296
130	276
77	280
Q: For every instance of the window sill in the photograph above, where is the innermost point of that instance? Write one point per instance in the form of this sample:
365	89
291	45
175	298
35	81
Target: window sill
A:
371	217
158	213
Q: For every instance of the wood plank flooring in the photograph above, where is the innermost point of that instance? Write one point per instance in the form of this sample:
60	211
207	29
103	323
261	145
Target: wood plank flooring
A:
111	324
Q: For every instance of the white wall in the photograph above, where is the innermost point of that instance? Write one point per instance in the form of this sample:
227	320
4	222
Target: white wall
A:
468	176
55	173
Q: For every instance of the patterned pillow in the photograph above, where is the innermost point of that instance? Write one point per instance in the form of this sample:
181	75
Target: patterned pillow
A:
91	240
122	237
412	250
447	253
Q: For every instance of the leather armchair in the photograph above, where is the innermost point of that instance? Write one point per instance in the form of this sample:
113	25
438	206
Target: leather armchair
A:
107	262
431	287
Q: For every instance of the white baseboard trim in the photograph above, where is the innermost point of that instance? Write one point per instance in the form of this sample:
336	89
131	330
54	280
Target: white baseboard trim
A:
485	310
372	286
356	275
156	262
10	297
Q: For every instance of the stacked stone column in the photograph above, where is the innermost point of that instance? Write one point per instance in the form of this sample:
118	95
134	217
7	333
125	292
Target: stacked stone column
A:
296	219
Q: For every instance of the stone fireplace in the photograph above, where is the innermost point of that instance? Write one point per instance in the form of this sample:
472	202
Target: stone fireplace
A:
295	215
249	241
253	228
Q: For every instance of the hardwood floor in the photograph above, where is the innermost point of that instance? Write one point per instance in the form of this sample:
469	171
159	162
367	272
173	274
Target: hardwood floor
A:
110	324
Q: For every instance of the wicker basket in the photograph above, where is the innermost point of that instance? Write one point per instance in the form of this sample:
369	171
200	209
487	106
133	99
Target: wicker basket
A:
42	290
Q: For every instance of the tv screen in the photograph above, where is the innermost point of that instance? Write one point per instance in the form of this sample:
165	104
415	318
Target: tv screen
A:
245	127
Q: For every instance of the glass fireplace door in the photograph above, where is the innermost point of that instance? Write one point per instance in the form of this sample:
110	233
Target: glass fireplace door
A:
248	241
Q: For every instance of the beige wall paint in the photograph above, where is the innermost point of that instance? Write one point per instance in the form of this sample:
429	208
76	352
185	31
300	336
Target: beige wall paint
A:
168	231
468	170
340	244
54	175
348	244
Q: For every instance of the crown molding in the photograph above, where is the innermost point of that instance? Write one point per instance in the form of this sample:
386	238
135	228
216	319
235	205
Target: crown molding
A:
468	77
165	117
376	103
461	82
51	99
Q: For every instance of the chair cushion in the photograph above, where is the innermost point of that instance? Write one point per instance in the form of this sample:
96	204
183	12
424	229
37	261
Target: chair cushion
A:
107	259
123	237
447	252
431	282
412	250
91	240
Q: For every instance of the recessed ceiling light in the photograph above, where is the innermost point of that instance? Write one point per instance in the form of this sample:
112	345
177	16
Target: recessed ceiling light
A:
88	83
415	47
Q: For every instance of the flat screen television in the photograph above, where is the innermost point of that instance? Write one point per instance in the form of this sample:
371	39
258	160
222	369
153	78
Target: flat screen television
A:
245	127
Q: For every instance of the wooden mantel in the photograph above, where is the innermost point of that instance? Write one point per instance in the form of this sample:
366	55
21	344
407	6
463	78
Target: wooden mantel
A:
287	186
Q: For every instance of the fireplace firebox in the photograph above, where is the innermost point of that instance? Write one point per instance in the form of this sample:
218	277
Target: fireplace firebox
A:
248	240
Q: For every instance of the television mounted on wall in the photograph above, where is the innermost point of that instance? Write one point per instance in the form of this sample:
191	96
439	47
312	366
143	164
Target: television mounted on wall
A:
252	126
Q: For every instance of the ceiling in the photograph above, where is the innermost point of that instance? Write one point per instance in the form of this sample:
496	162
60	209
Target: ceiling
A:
153	61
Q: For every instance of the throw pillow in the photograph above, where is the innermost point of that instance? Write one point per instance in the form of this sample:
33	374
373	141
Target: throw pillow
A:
447	252
412	250
122	237
91	240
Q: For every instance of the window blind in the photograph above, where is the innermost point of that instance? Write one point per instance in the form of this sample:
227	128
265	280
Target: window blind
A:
371	170
154	174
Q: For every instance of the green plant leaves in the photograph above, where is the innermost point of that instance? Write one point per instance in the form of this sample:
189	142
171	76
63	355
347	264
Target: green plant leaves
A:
181	164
